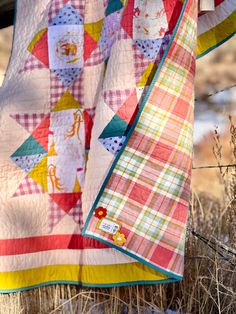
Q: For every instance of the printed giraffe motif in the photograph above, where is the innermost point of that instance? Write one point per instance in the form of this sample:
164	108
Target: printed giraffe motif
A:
75	128
55	181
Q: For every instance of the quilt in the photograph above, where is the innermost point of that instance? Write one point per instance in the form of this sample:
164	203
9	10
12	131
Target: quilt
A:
96	124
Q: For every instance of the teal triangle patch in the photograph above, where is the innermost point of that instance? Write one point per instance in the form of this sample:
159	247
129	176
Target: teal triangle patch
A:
30	147
113	6
116	127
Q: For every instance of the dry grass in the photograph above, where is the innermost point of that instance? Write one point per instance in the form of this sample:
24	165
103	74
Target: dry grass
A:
209	284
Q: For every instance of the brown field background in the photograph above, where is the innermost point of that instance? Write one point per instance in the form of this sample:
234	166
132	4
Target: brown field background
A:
209	284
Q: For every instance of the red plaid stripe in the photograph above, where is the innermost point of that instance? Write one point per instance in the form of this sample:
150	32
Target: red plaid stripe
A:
32	63
29	121
56	5
28	186
115	98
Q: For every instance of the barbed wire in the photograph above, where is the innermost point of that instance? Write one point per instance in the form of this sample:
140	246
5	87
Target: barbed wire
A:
214	166
214	245
215	93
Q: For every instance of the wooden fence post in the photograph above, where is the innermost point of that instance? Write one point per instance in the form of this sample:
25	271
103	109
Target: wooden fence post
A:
6	12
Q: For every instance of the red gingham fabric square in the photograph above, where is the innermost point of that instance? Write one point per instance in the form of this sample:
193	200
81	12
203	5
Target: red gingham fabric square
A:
57	89
55	214
56	5
28	186
76	213
140	63
115	98
31	64
77	89
95	58
29	120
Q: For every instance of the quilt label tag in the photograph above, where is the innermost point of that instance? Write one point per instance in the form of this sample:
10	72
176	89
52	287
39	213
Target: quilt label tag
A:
108	225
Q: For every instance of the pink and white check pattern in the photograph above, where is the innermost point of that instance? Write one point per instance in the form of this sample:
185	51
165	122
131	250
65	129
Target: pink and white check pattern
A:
56	214
56	5
115	98
76	213
57	89
28	186
121	34
32	63
140	63
29	120
77	89
95	58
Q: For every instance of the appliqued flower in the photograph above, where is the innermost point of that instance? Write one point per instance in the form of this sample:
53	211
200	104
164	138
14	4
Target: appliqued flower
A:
119	238
100	212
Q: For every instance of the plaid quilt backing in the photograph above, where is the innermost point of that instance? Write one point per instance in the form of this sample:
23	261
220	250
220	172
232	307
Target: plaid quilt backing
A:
142	206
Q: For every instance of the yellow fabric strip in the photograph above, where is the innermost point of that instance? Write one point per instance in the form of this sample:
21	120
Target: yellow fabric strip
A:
36	38
217	35
88	274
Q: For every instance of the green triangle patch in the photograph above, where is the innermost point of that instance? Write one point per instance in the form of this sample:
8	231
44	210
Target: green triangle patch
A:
113	6
116	127
30	147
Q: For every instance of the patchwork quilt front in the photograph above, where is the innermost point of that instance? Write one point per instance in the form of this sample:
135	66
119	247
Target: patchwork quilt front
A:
96	124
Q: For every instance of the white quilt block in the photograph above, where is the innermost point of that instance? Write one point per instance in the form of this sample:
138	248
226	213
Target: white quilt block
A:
149	21
66	153
120	67
65	43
